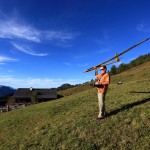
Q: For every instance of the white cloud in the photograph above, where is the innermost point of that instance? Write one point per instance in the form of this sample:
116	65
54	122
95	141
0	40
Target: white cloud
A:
143	27
35	82
79	56
13	29
59	35
104	49
4	59
68	64
83	65
27	50
71	64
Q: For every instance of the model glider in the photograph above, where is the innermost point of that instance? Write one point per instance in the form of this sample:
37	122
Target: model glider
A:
116	57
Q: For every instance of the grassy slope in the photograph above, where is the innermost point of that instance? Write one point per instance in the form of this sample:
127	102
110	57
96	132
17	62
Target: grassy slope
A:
69	123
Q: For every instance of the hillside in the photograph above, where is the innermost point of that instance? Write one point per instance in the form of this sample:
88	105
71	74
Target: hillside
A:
140	72
136	73
69	123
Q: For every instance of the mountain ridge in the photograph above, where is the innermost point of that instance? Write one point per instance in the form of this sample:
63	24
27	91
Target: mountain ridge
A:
6	90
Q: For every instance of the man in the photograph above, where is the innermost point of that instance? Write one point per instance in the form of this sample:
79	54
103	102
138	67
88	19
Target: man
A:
102	85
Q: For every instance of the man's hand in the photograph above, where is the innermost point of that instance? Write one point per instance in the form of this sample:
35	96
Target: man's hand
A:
98	85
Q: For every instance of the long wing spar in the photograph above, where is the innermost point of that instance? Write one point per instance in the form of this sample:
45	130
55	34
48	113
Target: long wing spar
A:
115	57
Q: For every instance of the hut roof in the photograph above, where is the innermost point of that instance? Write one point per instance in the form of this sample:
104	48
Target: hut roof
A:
41	93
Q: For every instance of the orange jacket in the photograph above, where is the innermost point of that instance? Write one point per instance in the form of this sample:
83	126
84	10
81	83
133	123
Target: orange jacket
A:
103	79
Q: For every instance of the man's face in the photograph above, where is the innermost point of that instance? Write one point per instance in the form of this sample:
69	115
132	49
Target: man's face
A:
103	70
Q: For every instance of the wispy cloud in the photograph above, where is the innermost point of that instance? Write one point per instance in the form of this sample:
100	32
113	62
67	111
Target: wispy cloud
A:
143	27
76	64
104	49
4	59
27	50
68	64
79	56
13	29
59	35
83	65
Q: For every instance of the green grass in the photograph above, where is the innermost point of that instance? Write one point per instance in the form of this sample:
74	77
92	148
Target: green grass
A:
69	123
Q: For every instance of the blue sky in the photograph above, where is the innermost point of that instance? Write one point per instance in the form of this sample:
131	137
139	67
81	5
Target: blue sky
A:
46	43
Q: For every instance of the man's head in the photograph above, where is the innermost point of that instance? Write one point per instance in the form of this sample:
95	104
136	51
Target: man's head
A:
103	68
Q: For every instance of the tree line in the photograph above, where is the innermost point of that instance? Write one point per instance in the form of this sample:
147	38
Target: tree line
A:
114	70
123	67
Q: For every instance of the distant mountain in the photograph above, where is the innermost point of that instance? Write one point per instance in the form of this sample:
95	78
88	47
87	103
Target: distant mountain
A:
65	86
6	90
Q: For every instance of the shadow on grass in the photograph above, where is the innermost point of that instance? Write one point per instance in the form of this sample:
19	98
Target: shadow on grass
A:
59	96
128	106
138	92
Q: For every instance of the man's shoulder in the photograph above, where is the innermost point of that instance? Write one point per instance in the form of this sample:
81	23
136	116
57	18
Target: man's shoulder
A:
99	75
106	74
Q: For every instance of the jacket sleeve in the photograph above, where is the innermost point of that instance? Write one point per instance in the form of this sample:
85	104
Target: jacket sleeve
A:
106	80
